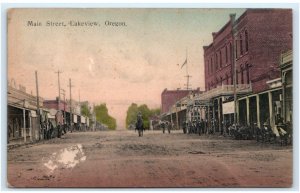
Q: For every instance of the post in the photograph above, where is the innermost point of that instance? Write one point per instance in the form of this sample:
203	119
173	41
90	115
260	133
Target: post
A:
208	119
257	110
24	124
30	129
237	111
64	93
58	102
71	116
271	109
177	126
37	105
219	115
284	98
248	111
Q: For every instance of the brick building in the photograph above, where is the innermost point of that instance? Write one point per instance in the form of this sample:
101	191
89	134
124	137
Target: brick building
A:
170	97
253	44
261	36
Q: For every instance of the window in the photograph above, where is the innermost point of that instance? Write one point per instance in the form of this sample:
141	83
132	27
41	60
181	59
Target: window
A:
248	74
211	64
236	50
242	76
207	66
226	54
216	62
230	51
241	44
220	59
246	40
227	81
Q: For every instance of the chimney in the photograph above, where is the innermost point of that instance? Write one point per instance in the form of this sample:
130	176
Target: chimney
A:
214	34
232	17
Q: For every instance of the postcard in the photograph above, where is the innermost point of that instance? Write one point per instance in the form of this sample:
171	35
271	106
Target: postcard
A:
149	98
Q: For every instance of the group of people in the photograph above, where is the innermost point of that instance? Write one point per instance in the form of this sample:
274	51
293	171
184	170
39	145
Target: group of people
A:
166	125
197	126
47	129
51	128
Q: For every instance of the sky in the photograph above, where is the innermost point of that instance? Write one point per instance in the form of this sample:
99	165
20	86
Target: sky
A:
116	65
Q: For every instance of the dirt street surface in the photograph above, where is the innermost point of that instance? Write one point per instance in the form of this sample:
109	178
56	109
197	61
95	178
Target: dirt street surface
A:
122	159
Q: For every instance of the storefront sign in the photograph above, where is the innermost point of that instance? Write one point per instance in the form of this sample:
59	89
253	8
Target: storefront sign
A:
228	107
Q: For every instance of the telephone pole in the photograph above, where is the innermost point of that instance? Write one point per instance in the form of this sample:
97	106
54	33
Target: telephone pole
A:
37	103
64	93
58	102
79	96
187	81
71	116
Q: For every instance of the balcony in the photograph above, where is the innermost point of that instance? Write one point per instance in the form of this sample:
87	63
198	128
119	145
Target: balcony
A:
225	90
286	57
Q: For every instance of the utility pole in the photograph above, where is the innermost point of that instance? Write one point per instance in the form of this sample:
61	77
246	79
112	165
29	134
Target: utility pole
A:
79	95
187	81
58	102
71	116
64	93
37	103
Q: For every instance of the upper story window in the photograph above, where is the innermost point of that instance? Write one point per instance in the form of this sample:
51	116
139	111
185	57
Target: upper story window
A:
236	49
211	64
226	54
220	55
246	40
241	44
230	51
216	62
207	66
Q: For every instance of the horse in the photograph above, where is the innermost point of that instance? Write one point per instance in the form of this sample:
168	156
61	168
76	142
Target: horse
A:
139	126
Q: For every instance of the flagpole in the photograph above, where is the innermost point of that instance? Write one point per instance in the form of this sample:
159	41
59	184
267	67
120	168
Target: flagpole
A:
187	72
186	62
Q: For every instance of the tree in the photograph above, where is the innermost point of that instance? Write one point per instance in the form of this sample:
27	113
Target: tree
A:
102	116
133	110
131	114
85	110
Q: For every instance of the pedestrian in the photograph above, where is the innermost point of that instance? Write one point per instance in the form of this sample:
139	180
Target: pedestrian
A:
184	127
198	126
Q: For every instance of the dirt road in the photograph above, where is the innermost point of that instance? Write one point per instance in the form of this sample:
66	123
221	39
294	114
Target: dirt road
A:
122	159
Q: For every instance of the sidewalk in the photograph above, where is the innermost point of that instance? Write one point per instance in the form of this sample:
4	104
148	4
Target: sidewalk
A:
19	142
